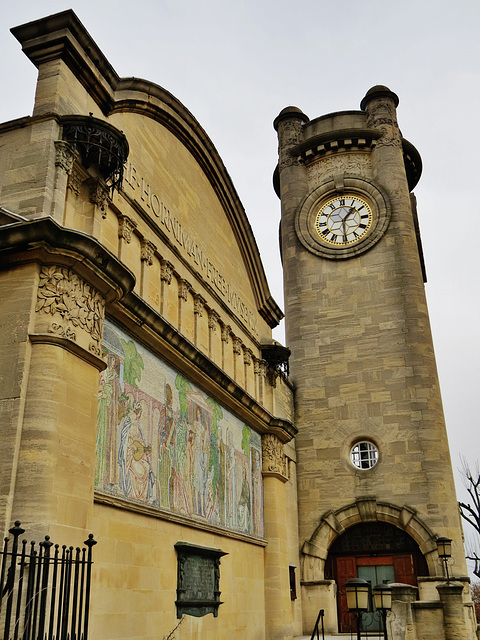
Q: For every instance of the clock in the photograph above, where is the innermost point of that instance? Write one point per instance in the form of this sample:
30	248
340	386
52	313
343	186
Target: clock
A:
344	220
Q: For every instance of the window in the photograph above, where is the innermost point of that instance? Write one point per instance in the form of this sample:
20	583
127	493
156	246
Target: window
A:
293	583
364	455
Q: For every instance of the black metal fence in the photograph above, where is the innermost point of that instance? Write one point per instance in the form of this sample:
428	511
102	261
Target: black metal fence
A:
44	592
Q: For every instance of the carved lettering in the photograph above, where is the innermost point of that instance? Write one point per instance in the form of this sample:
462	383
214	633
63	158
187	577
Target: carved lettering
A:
173	226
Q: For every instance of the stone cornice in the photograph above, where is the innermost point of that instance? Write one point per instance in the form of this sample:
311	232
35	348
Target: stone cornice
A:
44	240
63	36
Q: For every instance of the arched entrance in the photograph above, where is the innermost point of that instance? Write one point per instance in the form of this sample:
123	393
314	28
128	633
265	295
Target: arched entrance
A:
377	552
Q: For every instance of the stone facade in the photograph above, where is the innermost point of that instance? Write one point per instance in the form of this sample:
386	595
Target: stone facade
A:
362	355
143	396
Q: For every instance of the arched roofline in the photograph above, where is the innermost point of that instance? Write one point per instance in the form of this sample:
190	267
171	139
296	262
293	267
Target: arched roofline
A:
63	36
334	523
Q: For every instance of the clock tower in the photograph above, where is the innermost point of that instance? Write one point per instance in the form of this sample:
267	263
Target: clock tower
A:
375	484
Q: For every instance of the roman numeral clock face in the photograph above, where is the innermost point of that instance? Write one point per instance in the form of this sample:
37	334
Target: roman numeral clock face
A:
344	220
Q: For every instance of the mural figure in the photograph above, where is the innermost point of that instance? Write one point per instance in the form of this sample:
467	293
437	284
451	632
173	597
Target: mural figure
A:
162	442
105	393
200	461
166	452
244	505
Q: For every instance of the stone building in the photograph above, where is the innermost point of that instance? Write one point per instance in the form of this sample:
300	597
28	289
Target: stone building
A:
143	396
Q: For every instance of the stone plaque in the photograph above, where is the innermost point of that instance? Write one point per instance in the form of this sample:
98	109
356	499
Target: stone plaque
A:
198	580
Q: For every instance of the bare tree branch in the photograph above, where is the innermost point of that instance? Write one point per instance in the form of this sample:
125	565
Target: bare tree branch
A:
471	512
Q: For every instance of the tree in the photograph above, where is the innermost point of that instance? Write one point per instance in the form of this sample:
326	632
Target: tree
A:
471	512
476	598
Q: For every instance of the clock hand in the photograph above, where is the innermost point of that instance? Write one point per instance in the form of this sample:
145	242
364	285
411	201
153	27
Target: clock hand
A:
350	211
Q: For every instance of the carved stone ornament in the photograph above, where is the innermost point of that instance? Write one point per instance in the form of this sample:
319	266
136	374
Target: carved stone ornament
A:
166	271
273	457
247	355
272	375
61	291
382	116
183	289
147	251
198	304
76	179
290	136
64	155
350	163
62	331
237	345
99	195
260	367
213	318
125	227
226	331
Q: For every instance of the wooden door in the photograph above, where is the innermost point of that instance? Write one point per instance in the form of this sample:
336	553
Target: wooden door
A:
404	569
346	570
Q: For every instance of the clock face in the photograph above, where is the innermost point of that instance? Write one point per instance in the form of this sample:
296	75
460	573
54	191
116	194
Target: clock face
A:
343	220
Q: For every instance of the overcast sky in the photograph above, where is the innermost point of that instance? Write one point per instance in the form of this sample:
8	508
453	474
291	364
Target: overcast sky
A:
235	64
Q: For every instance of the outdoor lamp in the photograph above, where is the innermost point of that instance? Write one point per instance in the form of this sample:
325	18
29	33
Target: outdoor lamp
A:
357	594
382	594
444	548
357	591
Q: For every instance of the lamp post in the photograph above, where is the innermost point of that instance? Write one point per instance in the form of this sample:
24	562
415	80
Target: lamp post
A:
444	549
357	591
382	594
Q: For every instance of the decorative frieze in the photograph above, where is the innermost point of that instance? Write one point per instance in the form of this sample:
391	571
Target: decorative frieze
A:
273	457
126	227
61	292
147	251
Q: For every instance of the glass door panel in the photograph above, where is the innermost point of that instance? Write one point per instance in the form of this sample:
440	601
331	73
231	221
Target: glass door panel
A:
374	574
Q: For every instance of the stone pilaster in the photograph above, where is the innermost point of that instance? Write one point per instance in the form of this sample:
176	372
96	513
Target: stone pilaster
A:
278	618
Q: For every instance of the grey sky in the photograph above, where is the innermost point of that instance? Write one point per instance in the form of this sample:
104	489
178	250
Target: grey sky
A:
236	64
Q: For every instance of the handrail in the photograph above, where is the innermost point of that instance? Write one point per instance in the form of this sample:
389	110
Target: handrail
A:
321	614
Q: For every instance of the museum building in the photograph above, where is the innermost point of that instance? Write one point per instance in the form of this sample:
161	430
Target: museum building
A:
233	484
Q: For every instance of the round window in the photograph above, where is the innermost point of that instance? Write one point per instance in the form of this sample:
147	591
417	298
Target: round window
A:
364	455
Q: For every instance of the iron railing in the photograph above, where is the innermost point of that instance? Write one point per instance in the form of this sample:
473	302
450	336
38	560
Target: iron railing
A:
316	630
44	595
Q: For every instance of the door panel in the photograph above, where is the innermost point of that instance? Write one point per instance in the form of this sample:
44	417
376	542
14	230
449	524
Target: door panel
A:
346	570
374	574
404	569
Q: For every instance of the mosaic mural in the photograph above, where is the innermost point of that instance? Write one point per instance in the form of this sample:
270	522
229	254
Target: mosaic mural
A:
163	442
